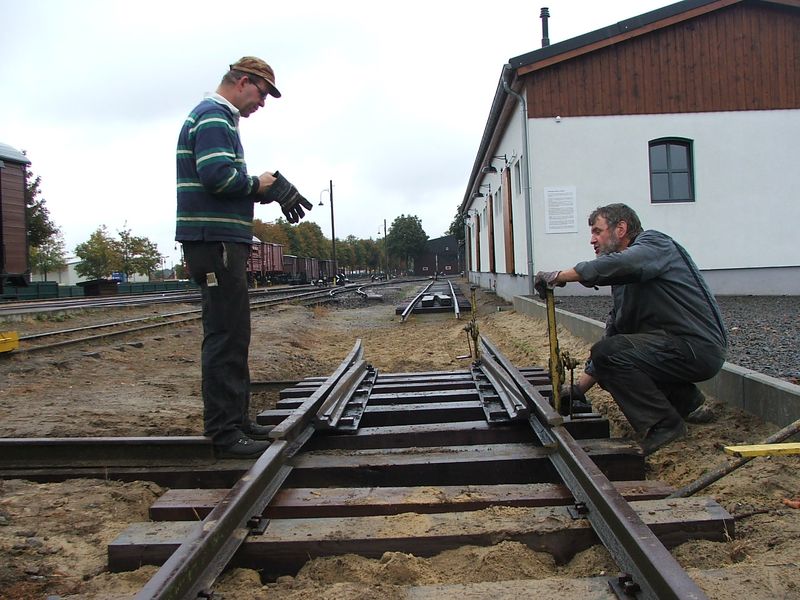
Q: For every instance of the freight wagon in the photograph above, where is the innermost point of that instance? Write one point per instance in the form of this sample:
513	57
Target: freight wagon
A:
14	267
265	263
298	270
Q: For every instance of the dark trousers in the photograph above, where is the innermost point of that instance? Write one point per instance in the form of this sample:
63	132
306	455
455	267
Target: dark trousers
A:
650	374
226	335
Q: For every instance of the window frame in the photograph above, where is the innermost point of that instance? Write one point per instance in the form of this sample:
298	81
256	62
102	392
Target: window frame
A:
670	171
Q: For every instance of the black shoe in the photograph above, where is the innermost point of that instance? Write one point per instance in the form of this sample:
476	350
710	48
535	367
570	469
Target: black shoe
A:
702	414
244	447
687	403
255	431
662	433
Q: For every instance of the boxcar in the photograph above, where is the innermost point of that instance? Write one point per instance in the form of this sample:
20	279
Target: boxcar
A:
13	227
326	269
291	271
265	263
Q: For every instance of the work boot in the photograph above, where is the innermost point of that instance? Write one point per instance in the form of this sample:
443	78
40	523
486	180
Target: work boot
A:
244	447
686	400
662	433
702	414
255	431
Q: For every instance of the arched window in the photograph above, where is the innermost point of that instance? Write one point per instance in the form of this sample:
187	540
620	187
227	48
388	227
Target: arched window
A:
671	176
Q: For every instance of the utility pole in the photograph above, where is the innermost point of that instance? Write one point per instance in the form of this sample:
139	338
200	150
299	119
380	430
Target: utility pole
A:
386	248
333	234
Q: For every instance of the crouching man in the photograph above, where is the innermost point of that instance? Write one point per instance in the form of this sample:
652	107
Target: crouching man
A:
664	332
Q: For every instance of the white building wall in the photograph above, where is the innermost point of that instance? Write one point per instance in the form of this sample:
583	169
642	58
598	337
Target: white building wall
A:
739	230
511	146
746	178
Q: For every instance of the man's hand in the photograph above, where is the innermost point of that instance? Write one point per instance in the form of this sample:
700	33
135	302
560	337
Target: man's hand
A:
579	402
545	280
265	181
285	194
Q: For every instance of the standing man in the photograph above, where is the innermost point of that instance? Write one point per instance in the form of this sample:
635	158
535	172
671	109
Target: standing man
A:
215	226
663	333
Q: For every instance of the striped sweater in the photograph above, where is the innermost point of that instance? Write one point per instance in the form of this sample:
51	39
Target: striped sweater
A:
215	193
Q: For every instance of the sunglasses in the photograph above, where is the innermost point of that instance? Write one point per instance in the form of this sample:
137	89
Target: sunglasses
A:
262	93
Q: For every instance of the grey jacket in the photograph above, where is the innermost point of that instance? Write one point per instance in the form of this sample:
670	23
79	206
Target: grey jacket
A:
657	288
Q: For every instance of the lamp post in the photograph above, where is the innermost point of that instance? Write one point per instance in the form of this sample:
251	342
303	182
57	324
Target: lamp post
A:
333	230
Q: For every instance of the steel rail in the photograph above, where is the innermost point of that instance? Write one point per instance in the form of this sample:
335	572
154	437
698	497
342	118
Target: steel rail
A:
196	314
650	571
192	569
456	307
409	309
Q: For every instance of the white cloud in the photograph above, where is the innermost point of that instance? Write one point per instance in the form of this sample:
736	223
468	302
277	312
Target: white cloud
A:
388	100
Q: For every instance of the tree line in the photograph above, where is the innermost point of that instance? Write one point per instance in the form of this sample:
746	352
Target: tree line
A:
103	253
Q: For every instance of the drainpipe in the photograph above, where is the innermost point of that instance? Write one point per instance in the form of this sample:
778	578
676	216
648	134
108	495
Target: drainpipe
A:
526	174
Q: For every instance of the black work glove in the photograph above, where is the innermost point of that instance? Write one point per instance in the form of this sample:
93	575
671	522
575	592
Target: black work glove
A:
580	404
545	280
285	194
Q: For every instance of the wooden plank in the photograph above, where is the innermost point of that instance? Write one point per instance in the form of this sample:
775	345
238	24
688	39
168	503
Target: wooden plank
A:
189	505
404	387
288	543
447	434
764	449
102	451
423	434
457	465
186	474
434	412
406	414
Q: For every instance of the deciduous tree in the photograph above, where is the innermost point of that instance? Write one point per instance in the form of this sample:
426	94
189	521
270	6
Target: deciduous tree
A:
40	227
98	255
406	239
135	254
50	255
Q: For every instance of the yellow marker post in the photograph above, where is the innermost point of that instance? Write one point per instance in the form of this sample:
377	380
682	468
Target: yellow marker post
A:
764	449
9	341
555	366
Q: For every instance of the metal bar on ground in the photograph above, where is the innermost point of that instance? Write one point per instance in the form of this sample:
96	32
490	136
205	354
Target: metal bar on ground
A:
294	423
538	402
410	308
456	308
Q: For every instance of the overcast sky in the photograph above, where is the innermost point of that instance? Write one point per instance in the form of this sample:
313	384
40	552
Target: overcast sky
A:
387	99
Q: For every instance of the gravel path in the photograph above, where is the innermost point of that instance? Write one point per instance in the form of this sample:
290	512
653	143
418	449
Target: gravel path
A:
764	331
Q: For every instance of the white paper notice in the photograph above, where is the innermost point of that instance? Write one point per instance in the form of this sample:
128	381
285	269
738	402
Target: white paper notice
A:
560	210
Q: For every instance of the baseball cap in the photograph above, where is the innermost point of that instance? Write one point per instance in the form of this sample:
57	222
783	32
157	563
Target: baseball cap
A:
256	66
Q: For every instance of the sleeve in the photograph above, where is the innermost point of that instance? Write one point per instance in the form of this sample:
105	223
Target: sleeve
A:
645	259
220	168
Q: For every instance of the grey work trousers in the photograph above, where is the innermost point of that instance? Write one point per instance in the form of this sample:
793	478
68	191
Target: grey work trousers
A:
226	335
649	374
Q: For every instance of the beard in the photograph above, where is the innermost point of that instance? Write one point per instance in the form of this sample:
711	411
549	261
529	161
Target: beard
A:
611	246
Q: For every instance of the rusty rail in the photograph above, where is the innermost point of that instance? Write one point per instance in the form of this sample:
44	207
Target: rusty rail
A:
650	571
192	569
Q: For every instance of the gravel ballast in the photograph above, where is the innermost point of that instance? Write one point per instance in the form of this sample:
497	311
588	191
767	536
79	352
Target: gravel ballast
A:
763	331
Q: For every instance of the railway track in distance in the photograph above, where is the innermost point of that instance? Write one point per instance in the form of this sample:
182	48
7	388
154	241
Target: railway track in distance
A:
365	462
98	332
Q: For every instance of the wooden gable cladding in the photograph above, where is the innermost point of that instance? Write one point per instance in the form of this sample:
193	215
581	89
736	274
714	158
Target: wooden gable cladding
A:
740	57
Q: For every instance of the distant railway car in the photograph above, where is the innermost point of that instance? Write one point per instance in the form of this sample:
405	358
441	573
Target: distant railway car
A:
298	270
326	269
291	270
13	226
265	263
309	269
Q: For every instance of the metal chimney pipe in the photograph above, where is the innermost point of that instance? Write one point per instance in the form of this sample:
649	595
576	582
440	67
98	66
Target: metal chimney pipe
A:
544	15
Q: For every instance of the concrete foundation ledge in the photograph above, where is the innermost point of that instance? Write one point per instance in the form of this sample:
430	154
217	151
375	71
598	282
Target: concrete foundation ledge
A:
771	399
